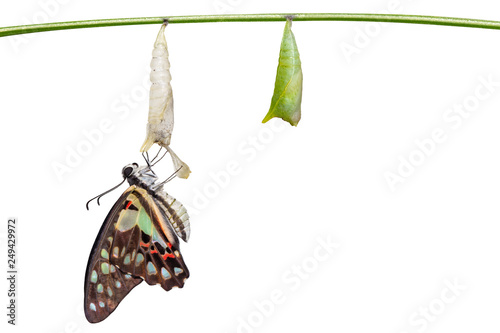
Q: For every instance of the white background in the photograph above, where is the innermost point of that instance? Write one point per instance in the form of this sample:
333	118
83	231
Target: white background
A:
400	249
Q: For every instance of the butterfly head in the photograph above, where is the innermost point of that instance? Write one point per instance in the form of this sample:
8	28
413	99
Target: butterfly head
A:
135	175
139	175
129	170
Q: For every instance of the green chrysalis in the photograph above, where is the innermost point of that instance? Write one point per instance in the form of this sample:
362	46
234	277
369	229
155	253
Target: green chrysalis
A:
287	95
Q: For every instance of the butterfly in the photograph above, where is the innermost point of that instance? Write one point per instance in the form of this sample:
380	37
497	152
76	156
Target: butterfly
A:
137	241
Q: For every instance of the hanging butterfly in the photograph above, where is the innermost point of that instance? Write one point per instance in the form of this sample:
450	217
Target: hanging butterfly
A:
137	241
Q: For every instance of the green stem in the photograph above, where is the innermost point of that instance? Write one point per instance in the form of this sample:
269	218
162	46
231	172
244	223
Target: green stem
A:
412	19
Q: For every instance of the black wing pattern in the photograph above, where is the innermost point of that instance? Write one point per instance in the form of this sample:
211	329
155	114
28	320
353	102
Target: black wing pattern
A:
136	242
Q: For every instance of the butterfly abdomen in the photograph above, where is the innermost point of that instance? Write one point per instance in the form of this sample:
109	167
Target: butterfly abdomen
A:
176	214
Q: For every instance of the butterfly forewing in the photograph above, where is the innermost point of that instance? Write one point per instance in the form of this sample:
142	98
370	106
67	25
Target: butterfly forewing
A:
107	287
105	284
135	243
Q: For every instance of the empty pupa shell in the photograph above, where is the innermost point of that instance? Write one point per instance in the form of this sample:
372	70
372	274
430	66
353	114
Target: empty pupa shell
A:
183	168
161	100
161	104
287	96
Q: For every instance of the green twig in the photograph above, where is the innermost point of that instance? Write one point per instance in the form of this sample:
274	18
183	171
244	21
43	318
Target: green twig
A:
412	19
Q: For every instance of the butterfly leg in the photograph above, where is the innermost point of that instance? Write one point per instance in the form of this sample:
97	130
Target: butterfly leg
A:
153	161
145	155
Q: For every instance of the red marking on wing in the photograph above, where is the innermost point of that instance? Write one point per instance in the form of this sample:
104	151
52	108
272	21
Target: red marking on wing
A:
168	255
144	244
128	204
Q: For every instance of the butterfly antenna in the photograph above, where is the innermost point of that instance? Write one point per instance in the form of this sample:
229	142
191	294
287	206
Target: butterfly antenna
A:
166	151
100	195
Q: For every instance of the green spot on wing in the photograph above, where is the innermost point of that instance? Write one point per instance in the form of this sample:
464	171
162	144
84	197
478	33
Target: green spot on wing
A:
127	220
287	97
139	259
151	268
105	268
157	239
165	273
145	222
93	277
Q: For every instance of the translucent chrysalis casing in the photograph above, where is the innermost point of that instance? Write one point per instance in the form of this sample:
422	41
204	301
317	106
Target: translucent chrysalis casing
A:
287	95
161	100
161	104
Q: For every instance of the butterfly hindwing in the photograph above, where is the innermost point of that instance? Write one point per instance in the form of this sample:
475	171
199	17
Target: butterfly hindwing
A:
145	244
136	242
